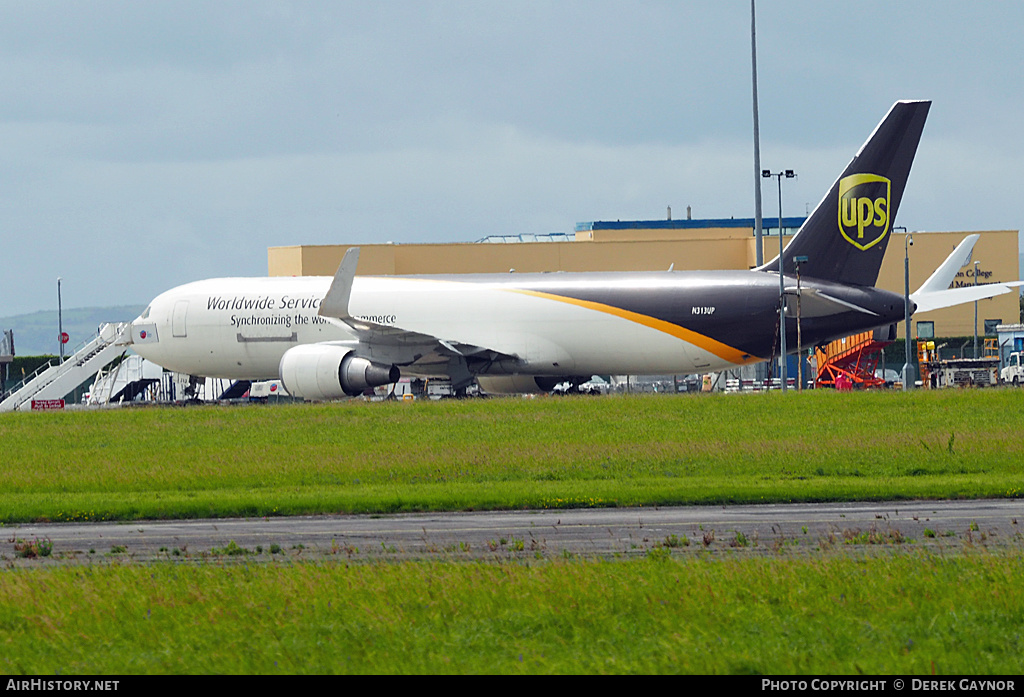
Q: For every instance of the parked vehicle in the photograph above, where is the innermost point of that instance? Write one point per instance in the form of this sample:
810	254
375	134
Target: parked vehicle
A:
1014	370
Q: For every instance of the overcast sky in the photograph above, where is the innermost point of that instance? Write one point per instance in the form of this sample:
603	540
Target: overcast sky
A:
147	144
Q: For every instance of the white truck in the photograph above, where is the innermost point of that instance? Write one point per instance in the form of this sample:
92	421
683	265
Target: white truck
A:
1013	373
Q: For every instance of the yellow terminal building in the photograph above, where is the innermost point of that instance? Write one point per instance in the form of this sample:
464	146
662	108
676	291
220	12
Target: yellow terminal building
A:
682	245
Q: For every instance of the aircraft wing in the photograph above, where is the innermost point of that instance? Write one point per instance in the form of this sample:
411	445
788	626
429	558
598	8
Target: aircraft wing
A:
935	293
390	343
944	275
936	300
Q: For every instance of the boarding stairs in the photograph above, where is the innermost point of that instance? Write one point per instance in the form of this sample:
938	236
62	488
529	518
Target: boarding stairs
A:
850	361
54	381
124	381
237	390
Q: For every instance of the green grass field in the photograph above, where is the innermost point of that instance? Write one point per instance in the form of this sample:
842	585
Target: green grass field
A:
510	453
907	613
831	610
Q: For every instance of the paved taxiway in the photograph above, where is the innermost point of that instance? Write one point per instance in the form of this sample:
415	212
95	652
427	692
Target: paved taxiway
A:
589	532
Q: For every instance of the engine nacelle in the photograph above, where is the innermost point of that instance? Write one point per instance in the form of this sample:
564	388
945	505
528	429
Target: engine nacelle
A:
320	372
518	384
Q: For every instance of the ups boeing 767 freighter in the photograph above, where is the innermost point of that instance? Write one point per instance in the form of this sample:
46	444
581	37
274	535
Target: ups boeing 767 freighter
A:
327	338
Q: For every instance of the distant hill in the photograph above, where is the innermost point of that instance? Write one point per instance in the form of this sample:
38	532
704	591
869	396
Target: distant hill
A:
35	334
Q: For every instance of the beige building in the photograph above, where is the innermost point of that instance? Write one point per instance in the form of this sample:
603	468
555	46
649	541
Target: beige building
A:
685	245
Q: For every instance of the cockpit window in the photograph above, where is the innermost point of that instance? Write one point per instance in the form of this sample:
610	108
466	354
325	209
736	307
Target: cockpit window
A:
145	313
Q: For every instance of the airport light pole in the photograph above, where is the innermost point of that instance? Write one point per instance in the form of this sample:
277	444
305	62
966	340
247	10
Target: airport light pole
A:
976	311
758	238
908	240
60	322
788	174
761	369
801	259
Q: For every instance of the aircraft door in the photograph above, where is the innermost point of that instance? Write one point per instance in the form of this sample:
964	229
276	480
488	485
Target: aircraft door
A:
178	319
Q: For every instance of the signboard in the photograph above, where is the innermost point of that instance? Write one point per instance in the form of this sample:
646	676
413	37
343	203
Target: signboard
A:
47	404
64	338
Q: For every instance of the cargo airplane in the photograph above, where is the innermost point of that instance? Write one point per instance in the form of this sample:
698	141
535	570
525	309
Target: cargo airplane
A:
327	338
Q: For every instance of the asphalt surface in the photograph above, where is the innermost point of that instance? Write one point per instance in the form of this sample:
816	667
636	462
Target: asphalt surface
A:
597	532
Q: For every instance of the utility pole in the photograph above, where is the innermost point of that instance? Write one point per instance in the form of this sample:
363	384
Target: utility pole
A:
761	370
60	322
758	239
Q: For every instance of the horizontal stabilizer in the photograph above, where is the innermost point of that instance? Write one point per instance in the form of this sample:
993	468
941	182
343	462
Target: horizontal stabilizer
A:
814	303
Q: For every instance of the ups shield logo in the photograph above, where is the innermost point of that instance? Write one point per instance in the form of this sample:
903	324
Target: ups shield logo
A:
864	209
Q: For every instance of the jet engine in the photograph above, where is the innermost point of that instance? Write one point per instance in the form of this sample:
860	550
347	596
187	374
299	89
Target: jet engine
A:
322	371
518	384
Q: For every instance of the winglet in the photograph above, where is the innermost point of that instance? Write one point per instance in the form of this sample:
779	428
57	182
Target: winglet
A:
335	303
938	299
947	271
935	293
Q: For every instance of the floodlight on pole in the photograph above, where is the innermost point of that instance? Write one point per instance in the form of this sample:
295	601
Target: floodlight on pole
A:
788	174
976	310
798	260
908	241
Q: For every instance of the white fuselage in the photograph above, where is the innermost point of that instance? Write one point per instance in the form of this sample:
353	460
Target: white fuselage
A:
241	327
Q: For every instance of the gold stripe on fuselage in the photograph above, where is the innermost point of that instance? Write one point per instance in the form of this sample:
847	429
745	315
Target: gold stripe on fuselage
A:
723	351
